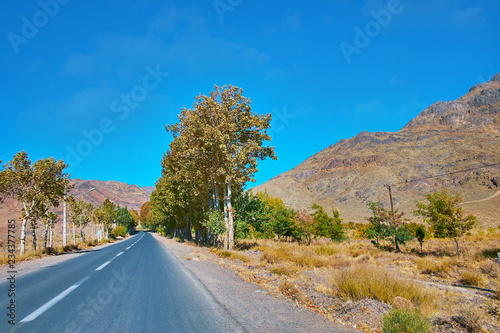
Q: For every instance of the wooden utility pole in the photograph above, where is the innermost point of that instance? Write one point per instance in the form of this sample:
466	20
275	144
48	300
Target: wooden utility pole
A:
393	218
390	197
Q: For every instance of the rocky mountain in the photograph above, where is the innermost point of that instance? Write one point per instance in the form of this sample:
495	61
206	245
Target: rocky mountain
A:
453	145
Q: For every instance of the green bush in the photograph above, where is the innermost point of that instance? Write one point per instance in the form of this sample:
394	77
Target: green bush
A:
119	231
402	320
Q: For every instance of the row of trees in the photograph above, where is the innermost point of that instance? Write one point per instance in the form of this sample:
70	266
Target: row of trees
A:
263	216
104	217
215	151
442	212
41	187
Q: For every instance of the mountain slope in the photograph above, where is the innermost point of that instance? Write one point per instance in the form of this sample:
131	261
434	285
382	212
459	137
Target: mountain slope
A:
428	154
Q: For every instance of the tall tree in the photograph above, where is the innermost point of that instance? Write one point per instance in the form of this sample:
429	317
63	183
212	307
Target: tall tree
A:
110	215
31	184
217	145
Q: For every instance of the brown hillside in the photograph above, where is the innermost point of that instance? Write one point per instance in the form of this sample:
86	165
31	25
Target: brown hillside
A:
453	145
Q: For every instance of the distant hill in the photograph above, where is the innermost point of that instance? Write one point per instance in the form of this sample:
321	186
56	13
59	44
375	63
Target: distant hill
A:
124	194
453	145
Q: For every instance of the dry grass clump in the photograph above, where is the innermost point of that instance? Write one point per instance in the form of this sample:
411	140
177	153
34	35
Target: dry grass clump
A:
288	289
490	268
230	254
368	281
472	318
326	249
435	266
302	256
286	270
472	278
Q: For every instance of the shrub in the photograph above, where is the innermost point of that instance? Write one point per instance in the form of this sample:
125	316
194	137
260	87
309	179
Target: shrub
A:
405	320
119	231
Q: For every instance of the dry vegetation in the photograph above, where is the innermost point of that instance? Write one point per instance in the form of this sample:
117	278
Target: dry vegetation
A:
50	251
356	283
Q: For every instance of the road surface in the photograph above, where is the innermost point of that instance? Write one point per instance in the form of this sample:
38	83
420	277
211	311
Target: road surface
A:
131	286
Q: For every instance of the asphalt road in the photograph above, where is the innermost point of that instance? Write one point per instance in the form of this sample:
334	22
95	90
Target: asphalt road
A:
132	286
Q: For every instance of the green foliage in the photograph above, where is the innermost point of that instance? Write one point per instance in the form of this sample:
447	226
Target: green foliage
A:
216	146
119	231
405	320
385	224
326	226
251	219
420	234
444	214
126	219
214	222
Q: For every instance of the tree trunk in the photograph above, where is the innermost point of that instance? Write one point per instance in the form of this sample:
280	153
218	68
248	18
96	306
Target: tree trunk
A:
456	246
50	236
74	234
230	217
82	237
23	236
226	222
46	233
34	236
216	198
397	245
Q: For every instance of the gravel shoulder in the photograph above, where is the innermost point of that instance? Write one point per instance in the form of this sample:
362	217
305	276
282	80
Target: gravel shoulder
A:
255	308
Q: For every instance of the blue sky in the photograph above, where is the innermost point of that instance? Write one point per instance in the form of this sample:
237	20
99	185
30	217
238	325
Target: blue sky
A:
95	82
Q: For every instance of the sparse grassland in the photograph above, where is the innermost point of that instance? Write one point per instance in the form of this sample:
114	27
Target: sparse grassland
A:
352	280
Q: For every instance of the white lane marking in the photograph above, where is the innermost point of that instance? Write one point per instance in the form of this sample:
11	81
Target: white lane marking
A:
128	247
65	293
103	265
53	301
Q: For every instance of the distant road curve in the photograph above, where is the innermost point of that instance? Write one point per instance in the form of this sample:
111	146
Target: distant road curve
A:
485	199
